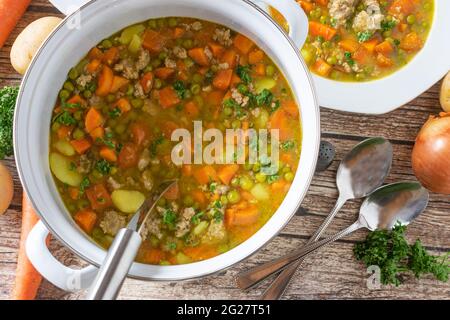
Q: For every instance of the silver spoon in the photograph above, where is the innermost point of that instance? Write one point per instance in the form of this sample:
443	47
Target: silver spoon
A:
382	210
361	171
123	251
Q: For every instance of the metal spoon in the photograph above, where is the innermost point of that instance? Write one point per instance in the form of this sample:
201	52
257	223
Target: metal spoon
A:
123	251
382	210
362	171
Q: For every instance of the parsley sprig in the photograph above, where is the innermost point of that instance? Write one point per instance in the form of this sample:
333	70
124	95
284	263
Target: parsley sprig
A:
391	252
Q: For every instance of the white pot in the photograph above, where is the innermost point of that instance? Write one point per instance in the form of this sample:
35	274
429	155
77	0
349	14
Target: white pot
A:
47	73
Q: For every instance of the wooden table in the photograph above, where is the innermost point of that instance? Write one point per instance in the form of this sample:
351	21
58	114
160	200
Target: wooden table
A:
332	273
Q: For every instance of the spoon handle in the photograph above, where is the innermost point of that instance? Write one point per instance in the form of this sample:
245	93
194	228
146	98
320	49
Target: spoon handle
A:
269	268
252	277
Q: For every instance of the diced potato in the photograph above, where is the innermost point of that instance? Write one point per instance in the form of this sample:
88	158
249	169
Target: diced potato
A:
128	33
65	148
63	170
127	201
265	83
445	93
200	228
135	44
182	258
260	192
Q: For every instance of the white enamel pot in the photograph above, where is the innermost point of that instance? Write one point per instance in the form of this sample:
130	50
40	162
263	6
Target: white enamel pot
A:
82	30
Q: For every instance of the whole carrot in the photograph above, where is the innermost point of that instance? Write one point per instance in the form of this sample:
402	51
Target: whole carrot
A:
10	13
28	279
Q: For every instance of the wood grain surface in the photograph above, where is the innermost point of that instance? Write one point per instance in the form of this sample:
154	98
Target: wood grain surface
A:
332	273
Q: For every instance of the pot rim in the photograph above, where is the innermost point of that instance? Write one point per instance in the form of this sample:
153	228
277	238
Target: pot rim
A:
80	254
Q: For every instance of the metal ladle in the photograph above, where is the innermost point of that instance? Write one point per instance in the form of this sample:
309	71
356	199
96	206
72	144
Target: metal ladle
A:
361	172
123	251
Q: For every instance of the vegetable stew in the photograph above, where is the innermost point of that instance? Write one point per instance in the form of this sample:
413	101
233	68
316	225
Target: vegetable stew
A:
111	137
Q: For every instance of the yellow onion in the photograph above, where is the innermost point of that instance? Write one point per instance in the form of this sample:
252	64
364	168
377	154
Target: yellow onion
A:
431	154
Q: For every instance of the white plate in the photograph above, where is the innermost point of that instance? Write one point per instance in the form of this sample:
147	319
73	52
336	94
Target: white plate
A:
389	93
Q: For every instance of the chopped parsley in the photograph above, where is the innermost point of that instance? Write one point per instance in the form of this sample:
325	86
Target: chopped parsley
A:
155	144
349	59
287	145
65	118
169	218
388	25
85	183
212	187
196	218
264	98
103	166
180	88
115	113
218	216
390	251
364	36
271	179
243	72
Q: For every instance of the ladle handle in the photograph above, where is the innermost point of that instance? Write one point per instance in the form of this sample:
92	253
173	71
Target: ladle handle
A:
252	277
271	267
115	268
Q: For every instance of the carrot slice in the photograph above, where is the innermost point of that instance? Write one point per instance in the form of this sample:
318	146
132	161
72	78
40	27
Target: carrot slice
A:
123	104
319	29
99	197
241	215
93	120
411	42
108	154
216	49
349	45
81	146
118	83
255	56
222	80
230	57
173	193
147	82
199	56
205	174
243	44
370	45
93	65
199	196
168	97
321	67
191	109
385	48
306	5
111	56
86	220
64	132
105	81
164	73
227	172
97	133
153	41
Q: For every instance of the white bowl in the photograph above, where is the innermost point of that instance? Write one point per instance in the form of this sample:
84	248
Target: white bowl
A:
389	93
66	46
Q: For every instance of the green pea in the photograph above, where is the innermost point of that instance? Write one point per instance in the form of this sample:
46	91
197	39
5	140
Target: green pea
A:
235	182
227	111
223	199
69	86
360	76
233	196
187	94
195	88
64	94
162	202
188	62
320	39
285	169
152	24
106	44
270	70
162	55
158	84
56	126
246	183
387	33
120	128
73	74
199	101
236	124
137	103
173	22
411	19
248	166
78	134
148	68
323	19
188	201
130	90
256	167
188	43
110	98
326	44
156	63
260	177
289	177
197	78
87	94
332	60
162	23
78	115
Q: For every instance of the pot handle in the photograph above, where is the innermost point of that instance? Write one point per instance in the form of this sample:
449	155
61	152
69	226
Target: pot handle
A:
68	7
294	15
63	277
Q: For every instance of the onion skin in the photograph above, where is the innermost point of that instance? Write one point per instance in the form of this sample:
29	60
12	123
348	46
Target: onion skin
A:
431	154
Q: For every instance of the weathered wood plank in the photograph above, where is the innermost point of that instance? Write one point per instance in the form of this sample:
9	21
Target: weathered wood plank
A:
320	278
